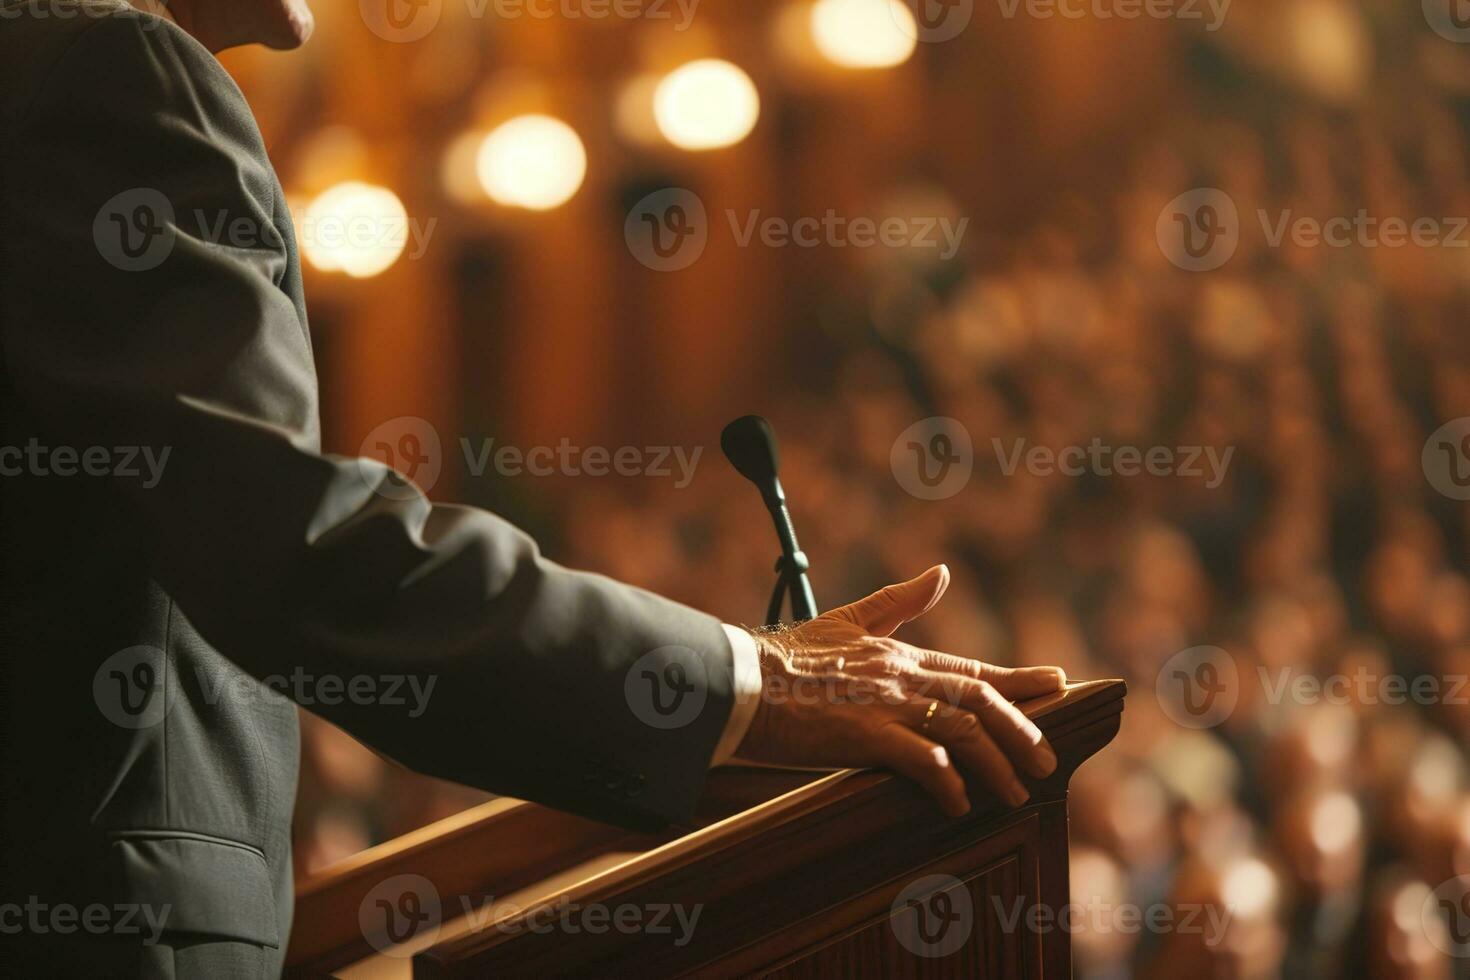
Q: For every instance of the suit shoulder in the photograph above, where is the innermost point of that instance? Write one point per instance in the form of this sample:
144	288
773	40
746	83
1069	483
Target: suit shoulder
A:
77	57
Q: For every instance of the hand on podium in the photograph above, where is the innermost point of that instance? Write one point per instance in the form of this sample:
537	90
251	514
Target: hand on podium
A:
839	691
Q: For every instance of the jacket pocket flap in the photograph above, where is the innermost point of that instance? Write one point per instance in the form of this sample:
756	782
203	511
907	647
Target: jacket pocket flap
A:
200	885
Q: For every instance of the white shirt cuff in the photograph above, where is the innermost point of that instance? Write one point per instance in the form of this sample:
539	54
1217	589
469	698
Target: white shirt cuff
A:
747	687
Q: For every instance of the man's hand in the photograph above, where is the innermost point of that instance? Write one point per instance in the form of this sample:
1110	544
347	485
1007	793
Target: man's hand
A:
837	691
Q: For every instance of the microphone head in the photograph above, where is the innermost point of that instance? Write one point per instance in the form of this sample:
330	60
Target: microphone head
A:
750	445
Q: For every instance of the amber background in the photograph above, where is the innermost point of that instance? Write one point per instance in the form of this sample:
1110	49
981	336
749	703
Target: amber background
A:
1324	826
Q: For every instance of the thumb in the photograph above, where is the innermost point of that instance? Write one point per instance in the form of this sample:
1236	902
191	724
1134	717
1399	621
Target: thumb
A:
893	605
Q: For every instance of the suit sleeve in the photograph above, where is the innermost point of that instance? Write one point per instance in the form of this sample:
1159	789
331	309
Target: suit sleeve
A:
146	254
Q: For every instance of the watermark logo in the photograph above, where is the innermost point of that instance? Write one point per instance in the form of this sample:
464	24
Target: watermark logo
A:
398	909
410	447
667	688
667	230
1446	459
933	916
933	458
135	230
1198	687
1445	916
1199	230
1450	19
934	21
401	21
132	688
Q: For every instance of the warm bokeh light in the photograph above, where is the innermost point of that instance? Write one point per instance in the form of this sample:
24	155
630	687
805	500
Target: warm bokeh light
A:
1249	887
356	228
633	110
864	33
458	171
329	155
706	104
534	162
1332	52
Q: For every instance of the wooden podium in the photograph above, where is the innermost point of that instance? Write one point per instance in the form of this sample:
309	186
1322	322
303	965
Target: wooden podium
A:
786	874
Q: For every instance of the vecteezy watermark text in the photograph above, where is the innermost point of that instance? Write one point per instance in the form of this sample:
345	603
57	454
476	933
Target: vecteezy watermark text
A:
409	907
137	687
1363	686
1362	229
934	915
1201	229
668	687
1214	10
669	229
122	919
1103	460
411	447
411	691
838	231
1200	687
934	458
406	21
147	12
35	459
1098	916
137	229
566	459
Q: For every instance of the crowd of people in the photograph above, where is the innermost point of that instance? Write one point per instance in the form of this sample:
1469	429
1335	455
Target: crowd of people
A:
1316	825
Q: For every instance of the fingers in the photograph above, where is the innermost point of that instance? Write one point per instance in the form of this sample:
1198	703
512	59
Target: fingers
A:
912	755
975	751
893	605
1003	721
1016	683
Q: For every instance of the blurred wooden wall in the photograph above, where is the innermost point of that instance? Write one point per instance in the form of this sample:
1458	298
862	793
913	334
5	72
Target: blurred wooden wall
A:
572	337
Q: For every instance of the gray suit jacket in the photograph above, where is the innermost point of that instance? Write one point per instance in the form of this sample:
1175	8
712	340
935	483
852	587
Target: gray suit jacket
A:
151	302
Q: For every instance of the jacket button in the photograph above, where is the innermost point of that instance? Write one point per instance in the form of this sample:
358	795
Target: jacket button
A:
634	785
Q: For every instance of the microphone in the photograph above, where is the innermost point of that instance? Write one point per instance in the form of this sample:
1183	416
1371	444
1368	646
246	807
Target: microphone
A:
750	445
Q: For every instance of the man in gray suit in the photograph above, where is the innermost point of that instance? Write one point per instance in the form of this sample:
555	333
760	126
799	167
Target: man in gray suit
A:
177	554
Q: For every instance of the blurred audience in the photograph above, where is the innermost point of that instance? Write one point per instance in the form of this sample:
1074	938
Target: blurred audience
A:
1321	821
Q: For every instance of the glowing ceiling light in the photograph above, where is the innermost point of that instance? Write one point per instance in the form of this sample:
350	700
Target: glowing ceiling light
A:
356	228
534	162
705	105
864	33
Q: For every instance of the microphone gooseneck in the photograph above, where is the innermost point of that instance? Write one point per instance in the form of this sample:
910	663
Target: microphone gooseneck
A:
749	444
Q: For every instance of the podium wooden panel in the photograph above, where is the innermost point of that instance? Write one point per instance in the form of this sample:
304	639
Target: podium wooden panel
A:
792	874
